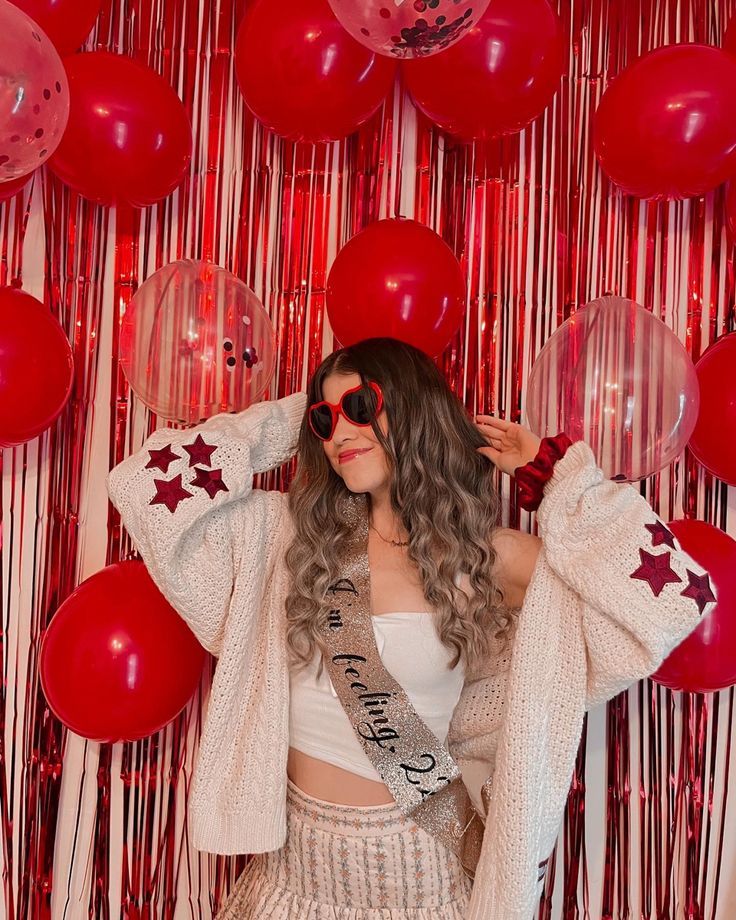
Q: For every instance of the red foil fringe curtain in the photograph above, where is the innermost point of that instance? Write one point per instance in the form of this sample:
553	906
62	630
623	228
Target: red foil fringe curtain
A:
101	830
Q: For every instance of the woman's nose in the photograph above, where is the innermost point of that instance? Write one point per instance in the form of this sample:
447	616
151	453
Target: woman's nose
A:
344	430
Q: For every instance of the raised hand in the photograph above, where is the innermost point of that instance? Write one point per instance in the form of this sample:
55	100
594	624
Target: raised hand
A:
510	445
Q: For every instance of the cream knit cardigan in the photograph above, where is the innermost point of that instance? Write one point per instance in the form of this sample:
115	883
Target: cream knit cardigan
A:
603	609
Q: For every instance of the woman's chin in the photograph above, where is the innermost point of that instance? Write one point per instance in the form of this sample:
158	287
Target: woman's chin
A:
355	487
362	484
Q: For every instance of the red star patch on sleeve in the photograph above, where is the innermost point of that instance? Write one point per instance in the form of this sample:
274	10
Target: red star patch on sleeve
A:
210	481
660	534
699	589
170	492
656	571
199	452
162	459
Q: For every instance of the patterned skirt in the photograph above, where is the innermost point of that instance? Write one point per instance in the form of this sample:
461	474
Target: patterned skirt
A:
342	862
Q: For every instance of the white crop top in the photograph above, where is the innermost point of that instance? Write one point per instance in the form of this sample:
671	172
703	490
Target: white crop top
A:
413	654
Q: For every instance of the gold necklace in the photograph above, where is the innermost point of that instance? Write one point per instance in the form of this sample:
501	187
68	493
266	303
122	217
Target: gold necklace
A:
392	542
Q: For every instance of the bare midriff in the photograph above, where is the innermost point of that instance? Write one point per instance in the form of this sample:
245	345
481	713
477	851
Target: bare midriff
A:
333	784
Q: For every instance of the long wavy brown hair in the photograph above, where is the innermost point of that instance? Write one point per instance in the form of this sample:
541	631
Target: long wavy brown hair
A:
441	489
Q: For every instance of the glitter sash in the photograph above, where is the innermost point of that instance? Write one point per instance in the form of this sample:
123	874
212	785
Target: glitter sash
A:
418	770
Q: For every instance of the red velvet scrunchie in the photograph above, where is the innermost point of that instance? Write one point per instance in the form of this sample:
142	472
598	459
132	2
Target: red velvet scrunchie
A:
531	477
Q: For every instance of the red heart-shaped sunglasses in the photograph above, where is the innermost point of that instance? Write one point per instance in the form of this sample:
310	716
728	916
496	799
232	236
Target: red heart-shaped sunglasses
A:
360	406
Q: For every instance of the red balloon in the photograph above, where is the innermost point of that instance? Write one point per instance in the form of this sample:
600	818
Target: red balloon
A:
731	211
729	37
396	278
498	78
666	126
302	75
117	662
706	660
11	187
128	139
36	367
713	441
66	22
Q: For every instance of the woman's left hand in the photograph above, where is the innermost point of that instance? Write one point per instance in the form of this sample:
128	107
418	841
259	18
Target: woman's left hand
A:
510	445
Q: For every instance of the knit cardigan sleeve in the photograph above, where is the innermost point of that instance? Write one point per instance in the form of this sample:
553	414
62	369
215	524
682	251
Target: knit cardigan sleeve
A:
612	593
187	500
642	594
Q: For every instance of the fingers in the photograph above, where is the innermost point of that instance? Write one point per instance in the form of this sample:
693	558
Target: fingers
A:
489	452
493	421
493	440
492	433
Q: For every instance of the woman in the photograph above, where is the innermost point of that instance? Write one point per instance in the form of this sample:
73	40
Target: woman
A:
401	683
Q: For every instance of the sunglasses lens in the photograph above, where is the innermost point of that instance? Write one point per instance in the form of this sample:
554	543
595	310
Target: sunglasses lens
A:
360	406
321	419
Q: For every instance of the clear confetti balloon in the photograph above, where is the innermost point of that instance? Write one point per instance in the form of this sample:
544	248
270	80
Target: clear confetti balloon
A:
408	28
34	94
616	377
195	341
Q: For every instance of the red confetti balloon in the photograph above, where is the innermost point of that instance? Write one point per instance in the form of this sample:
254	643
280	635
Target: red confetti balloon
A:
410	29
128	139
706	660
195	341
666	126
34	95
36	368
499	78
66	22
396	278
615	376
303	75
117	662
714	440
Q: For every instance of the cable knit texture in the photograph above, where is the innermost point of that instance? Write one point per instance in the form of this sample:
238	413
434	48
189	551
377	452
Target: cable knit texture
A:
604	607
